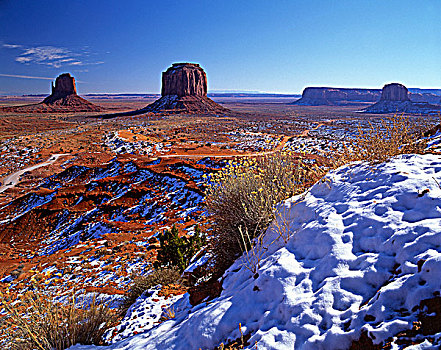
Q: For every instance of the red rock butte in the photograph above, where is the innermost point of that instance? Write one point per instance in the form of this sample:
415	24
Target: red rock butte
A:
63	99
184	79
184	89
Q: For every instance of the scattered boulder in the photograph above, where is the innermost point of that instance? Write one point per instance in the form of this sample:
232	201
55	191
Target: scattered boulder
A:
184	89
395	99
63	98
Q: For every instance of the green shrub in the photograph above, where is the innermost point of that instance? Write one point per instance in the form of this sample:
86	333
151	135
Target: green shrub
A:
177	251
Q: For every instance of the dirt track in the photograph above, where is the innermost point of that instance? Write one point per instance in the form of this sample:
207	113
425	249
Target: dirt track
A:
13	179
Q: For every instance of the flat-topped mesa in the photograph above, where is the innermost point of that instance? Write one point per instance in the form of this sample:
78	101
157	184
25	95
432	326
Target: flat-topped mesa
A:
184	90
184	79
329	96
394	92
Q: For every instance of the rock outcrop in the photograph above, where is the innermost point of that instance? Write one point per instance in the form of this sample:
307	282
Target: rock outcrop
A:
328	96
184	89
395	99
63	98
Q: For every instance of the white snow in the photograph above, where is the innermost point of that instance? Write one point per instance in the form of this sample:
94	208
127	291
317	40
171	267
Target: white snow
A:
347	262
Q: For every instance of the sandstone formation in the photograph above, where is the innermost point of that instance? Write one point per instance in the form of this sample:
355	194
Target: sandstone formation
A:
395	99
63	98
184	89
328	96
64	86
184	79
394	92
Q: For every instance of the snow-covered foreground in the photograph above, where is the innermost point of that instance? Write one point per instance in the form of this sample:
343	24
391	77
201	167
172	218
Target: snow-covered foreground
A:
364	248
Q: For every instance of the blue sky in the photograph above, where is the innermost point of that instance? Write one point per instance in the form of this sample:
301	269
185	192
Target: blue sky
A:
258	45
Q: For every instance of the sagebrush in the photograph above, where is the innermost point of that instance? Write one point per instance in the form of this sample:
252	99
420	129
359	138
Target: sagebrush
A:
241	198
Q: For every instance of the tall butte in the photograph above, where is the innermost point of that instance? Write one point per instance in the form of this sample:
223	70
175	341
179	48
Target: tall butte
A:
395	99
184	89
63	98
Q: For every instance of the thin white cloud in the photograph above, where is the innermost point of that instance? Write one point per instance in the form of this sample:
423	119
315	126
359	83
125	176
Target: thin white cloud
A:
34	77
24	76
51	56
11	46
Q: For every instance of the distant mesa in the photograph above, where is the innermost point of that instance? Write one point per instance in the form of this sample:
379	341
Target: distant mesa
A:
395	99
184	89
331	96
63	99
328	96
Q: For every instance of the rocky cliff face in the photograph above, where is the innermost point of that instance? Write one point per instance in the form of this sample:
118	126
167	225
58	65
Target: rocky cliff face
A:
184	89
64	86
184	79
394	92
327	96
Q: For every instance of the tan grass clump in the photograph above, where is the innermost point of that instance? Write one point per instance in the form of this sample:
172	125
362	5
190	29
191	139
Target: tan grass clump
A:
164	276
35	321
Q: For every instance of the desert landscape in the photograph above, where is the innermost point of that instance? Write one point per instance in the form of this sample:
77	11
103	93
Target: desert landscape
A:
191	218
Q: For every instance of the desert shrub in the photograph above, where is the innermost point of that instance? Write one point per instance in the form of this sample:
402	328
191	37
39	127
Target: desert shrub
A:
175	251
242	197
35	321
140	284
394	135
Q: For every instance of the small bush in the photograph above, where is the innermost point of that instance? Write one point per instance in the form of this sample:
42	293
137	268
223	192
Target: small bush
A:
242	197
177	251
37	322
392	136
162	276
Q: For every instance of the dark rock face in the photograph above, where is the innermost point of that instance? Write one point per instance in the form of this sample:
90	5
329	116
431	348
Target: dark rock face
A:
394	92
395	99
64	85
327	96
184	79
184	90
